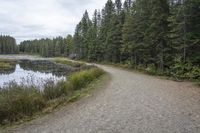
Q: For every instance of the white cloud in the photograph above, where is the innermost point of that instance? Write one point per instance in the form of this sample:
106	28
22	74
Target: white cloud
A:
30	19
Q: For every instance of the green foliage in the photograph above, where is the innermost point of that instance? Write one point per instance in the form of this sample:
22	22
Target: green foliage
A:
140	32
17	101
80	37
185	70
46	47
8	45
146	34
68	49
52	91
151	69
83	78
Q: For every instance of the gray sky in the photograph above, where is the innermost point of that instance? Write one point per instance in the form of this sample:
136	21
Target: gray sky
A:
31	19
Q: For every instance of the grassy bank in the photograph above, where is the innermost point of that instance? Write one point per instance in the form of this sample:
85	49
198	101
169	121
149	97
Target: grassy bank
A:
7	64
20	101
69	63
80	65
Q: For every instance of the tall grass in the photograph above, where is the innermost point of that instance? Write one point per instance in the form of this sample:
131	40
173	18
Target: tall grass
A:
83	78
52	91
19	101
69	63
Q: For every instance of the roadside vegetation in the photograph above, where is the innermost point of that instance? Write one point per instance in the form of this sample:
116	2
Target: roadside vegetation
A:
24	101
178	72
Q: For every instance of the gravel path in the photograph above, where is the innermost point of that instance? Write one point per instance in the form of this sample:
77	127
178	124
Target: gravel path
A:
130	103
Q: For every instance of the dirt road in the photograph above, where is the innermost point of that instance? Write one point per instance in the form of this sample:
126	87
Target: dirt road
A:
130	103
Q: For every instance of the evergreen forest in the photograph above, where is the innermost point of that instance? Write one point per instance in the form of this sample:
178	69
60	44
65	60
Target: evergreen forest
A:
161	36
8	45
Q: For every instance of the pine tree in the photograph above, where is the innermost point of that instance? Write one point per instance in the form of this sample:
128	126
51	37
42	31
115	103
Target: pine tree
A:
191	30
127	5
8	45
158	32
68	50
85	25
114	41
176	24
127	48
118	6
106	25
140	21
77	41
184	34
92	38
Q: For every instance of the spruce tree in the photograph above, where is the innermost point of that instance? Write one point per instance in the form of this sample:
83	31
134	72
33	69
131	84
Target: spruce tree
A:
127	48
92	38
68	45
158	32
184	33
106	25
8	45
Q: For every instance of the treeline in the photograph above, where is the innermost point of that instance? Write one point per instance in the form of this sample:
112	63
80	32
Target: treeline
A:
8	45
160	35
47	47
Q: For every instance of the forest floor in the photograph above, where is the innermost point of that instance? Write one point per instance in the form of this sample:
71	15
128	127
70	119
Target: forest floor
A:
130	103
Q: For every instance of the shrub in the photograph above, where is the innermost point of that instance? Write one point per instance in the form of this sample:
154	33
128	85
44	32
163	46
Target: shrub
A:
195	72
151	69
185	70
81	79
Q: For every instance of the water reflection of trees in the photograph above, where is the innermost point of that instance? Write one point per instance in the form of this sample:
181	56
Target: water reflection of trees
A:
46	67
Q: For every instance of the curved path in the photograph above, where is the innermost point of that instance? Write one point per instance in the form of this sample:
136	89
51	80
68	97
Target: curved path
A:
130	103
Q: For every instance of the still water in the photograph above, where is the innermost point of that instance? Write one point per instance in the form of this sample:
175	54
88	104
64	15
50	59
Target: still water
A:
35	73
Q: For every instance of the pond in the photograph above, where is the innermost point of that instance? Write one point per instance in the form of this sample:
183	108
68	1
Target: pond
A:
35	73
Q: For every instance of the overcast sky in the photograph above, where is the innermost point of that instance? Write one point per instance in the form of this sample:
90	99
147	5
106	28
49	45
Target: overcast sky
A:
31	19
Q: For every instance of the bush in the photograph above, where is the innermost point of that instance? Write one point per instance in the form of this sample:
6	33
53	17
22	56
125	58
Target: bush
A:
185	70
151	69
195	72
81	79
